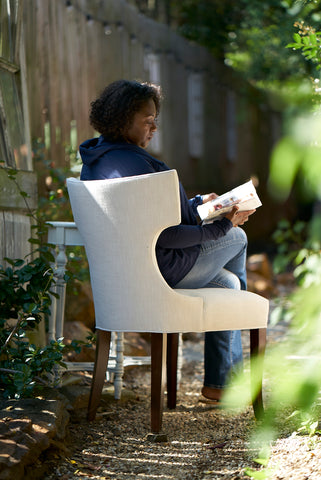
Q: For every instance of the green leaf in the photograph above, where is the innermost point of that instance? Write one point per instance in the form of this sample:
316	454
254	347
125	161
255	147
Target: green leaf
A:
297	38
262	461
256	474
19	262
296	46
24	194
9	260
9	272
298	227
34	241
313	39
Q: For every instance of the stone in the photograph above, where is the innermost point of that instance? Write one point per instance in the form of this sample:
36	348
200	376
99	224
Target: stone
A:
258	284
27	427
260	278
78	395
136	345
260	263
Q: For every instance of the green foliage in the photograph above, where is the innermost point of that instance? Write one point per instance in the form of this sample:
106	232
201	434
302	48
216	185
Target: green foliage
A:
25	288
25	368
292	366
295	161
250	35
297	251
308	41
258	474
25	299
24	303
254	39
309	426
207	23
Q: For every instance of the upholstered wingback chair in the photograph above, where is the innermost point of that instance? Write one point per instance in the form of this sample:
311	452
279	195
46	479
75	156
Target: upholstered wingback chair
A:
119	221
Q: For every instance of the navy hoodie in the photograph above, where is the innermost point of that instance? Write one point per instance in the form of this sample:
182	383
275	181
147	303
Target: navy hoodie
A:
177	247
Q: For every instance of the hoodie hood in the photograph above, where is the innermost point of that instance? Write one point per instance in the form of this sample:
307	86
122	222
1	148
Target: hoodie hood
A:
92	151
94	148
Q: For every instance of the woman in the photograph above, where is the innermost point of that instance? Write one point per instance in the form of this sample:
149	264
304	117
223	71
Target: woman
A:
189	255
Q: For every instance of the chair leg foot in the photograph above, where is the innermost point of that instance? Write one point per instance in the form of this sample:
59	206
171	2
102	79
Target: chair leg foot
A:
101	362
157	437
257	349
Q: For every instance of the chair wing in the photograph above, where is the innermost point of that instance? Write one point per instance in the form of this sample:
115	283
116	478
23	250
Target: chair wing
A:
120	220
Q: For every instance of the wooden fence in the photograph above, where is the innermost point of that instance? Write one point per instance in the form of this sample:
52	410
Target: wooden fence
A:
215	129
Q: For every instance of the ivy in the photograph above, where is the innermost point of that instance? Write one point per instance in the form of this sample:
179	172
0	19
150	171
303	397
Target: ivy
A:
26	289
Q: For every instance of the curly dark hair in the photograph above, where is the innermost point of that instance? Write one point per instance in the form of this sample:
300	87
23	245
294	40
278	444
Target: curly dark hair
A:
113	111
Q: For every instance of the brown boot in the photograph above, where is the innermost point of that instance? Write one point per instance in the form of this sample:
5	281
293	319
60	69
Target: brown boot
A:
212	394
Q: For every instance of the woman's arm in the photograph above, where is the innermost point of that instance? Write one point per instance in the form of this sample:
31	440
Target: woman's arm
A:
183	236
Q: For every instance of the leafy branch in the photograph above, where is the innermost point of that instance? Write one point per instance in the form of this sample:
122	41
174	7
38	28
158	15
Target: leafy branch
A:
309	42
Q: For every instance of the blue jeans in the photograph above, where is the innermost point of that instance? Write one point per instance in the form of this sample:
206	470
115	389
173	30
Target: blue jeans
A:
221	264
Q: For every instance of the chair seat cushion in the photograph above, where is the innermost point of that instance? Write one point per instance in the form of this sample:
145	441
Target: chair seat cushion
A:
226	309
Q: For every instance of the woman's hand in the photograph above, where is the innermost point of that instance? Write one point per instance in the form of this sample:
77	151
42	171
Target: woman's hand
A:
208	197
238	218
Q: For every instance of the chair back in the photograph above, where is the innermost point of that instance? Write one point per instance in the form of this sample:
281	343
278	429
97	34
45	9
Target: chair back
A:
119	221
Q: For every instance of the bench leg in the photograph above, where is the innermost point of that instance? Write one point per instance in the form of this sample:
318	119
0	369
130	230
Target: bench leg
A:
257	350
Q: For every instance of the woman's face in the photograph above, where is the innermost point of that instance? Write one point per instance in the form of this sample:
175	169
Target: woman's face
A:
143	126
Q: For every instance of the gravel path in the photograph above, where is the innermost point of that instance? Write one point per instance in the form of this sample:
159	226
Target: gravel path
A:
204	442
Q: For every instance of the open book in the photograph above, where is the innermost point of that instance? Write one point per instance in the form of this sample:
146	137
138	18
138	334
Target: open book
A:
244	196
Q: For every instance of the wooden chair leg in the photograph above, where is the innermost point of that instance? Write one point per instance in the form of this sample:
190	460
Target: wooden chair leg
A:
257	350
172	352
158	364
101	362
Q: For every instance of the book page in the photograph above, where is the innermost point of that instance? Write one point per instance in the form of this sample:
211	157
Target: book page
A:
244	196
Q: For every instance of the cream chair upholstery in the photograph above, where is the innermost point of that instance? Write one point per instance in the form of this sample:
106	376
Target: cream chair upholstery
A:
120	221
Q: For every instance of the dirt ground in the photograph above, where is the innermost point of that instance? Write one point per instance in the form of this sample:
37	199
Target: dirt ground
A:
204	442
